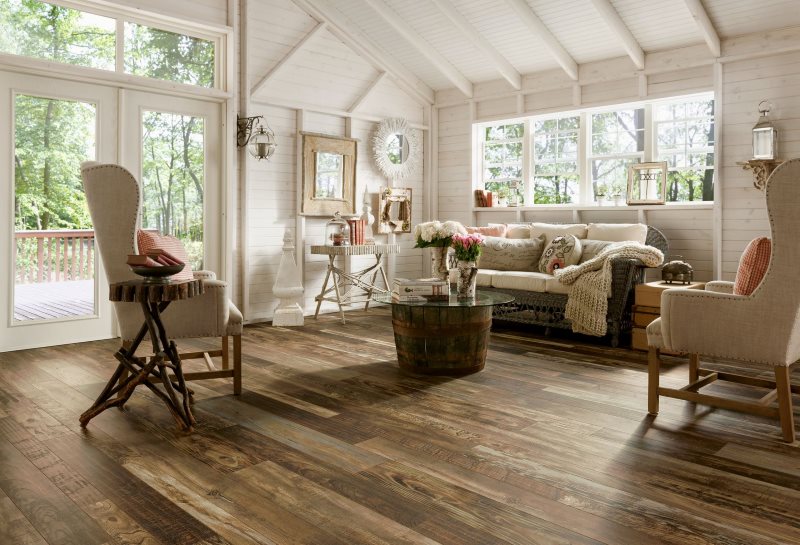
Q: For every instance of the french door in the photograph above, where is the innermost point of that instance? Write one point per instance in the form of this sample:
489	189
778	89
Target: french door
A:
172	145
52	285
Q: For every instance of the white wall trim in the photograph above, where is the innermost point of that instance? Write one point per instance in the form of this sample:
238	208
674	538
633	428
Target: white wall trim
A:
329	111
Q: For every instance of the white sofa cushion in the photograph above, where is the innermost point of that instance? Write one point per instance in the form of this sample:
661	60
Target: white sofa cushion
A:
520	280
617	232
504	254
514	230
552	230
554	285
484	277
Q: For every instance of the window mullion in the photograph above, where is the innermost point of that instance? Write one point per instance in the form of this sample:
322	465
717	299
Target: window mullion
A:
527	162
649	134
584	143
119	62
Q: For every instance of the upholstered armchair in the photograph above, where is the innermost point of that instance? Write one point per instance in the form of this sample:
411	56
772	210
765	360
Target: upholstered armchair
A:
760	331
114	197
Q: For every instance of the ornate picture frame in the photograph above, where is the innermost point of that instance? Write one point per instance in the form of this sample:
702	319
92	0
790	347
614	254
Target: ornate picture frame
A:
647	183
394	214
329	175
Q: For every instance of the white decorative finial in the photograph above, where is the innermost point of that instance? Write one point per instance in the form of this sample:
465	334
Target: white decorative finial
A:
369	219
288	287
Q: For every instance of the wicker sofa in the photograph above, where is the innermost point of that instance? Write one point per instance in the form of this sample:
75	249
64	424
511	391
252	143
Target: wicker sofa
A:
545	307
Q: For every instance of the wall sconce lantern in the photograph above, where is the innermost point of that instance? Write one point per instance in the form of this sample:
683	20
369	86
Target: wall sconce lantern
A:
260	142
765	136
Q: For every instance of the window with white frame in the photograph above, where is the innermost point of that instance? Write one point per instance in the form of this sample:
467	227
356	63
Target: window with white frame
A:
43	30
556	176
684	137
502	161
578	157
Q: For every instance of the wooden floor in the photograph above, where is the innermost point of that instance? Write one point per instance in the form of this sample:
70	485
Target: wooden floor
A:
331	445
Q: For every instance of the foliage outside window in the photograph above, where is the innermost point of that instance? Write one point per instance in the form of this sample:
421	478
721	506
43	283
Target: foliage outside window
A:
173	178
576	158
41	30
45	31
330	176
617	142
555	160
502	160
685	140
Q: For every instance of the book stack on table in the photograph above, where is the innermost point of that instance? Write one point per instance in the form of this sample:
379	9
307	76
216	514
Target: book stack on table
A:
420	290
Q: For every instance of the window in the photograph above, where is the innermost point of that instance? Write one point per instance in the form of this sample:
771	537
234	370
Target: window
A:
685	140
55	33
617	142
555	160
579	157
502	160
47	31
329	183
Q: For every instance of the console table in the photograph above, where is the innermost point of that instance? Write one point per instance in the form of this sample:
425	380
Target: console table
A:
133	371
342	282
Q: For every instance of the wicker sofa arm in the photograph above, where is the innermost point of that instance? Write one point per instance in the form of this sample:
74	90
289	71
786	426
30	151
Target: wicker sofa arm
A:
625	274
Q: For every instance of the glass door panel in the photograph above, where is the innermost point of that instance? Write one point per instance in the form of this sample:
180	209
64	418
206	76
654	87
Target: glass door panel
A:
173	178
54	276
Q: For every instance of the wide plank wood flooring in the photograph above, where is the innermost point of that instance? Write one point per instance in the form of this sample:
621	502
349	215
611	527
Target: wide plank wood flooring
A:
331	445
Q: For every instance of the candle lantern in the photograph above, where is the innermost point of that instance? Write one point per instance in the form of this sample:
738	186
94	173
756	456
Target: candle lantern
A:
765	136
337	232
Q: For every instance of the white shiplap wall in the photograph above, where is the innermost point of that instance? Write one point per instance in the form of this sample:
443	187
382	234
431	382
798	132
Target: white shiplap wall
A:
745	84
201	11
330	76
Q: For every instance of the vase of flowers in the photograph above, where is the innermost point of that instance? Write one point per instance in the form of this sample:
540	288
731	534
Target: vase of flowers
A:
467	249
439	237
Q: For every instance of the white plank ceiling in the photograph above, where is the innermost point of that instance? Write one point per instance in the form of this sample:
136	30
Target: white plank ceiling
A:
577	25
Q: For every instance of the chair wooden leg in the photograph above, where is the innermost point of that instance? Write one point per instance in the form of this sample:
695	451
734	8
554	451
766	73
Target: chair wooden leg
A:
694	365
225	355
653	369
237	364
782	383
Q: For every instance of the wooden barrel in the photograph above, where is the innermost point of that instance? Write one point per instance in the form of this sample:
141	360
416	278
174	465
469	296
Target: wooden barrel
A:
435	340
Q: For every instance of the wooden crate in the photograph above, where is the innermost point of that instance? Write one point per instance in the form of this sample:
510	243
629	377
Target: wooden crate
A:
649	294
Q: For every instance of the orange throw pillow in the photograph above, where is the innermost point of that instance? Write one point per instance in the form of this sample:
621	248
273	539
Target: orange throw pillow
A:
752	266
496	230
151	240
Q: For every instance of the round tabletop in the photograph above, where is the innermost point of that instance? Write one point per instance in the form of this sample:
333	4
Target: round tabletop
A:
136	291
482	299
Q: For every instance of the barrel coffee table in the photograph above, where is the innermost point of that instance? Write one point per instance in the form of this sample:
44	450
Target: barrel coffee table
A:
448	337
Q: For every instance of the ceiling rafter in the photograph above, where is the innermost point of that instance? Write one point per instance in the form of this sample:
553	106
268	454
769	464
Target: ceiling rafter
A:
540	30
426	50
501	64
618	26
289	56
363	96
705	25
366	49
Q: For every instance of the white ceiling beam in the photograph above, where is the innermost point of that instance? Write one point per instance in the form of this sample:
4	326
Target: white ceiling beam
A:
366	49
289	56
363	96
425	49
538	28
618	26
501	64
705	25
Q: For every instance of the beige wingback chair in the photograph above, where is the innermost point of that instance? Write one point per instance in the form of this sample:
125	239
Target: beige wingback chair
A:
761	331
113	195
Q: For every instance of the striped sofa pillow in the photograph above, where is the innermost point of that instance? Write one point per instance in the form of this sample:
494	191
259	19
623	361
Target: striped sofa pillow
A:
149	240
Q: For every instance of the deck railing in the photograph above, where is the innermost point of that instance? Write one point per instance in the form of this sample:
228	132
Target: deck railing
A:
54	255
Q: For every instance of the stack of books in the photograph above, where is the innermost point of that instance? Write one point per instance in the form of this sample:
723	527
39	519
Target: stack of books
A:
420	290
483	198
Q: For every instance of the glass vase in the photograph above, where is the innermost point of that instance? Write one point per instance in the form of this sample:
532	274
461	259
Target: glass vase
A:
467	279
439	267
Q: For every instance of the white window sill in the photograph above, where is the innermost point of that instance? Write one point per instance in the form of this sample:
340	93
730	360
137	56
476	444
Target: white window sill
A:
702	205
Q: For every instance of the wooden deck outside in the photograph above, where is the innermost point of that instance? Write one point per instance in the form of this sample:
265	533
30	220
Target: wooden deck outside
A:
330	444
52	300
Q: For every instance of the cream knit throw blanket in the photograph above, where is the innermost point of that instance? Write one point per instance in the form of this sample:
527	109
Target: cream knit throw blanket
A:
587	304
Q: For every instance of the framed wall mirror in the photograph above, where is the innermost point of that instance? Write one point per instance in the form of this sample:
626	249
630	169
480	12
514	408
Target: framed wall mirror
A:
396	148
395	210
329	175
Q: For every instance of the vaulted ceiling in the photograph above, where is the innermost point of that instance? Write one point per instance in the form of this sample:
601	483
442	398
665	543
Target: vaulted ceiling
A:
456	43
